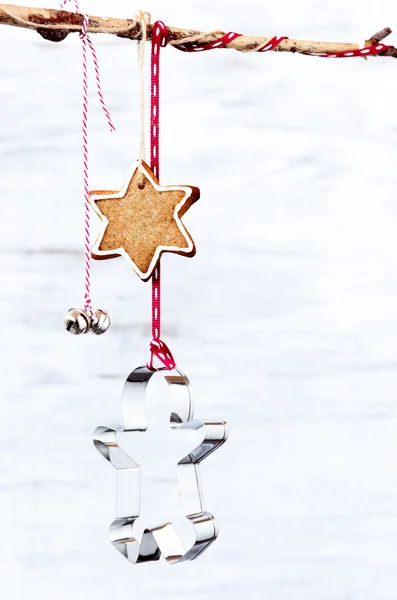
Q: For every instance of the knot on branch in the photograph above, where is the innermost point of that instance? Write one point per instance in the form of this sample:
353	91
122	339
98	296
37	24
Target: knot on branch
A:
53	35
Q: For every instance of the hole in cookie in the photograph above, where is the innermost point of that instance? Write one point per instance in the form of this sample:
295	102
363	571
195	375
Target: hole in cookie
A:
141	186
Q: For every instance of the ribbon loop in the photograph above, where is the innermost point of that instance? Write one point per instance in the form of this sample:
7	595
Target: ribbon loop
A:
160	350
159	34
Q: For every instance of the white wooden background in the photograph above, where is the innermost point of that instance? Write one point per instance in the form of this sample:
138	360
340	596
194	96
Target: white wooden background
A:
285	321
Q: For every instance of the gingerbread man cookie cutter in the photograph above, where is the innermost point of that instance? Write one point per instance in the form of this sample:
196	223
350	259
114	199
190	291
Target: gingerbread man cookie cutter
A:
163	539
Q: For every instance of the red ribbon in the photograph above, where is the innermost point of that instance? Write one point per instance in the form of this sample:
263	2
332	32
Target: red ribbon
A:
276	41
159	40
219	43
158	348
373	50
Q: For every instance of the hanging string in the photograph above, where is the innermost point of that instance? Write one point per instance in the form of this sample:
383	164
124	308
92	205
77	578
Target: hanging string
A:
143	18
86	41
158	348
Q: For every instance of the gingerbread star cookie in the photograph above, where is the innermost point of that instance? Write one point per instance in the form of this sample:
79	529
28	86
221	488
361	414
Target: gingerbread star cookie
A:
143	220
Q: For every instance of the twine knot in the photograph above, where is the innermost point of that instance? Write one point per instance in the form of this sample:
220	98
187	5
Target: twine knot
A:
160	350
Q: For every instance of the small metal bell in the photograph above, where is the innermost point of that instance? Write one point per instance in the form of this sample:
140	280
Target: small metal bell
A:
100	322
77	321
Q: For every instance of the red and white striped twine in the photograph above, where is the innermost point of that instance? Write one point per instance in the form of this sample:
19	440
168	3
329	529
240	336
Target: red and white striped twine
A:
85	39
87	211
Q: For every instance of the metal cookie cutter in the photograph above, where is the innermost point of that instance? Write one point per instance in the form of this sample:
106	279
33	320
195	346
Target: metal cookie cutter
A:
163	539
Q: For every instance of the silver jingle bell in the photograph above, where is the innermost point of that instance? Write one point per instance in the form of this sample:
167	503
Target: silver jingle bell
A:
100	322
77	321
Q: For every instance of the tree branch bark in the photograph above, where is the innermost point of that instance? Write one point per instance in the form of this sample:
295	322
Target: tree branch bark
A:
56	25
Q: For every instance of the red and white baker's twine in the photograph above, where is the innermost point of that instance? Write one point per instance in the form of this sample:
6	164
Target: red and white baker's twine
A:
158	349
276	41
85	39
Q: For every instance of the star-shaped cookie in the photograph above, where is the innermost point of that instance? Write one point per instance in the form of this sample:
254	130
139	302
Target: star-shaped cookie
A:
143	220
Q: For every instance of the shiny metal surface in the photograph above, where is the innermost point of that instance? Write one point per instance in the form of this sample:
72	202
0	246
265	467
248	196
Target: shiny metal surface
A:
100	322
162	539
77	321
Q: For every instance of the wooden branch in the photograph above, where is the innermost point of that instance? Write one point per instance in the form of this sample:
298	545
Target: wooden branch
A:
55	25
378	37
